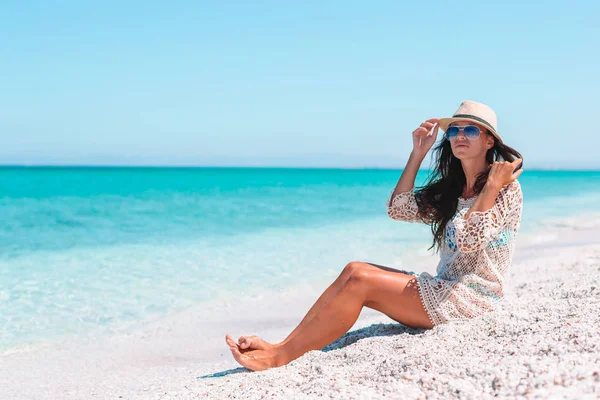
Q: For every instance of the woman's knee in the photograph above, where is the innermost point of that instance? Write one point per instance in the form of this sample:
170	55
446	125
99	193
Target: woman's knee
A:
358	274
352	268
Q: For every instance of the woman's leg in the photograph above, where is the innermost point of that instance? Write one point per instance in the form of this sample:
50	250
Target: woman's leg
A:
391	292
254	342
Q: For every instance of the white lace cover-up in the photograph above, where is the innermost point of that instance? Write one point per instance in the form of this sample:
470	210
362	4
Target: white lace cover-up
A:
475	257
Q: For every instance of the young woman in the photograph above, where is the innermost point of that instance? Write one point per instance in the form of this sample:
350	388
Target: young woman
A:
473	203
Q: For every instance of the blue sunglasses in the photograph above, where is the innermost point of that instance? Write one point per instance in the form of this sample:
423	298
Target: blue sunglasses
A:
472	132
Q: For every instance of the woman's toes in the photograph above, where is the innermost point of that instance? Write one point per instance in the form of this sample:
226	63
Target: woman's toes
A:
249	342
243	341
230	342
254	343
235	350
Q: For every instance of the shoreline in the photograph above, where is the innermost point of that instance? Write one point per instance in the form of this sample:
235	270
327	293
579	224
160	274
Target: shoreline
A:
165	361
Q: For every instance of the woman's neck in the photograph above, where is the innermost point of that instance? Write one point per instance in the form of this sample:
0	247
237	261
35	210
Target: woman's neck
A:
472	168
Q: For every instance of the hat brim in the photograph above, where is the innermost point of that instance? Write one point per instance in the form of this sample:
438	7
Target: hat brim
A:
444	122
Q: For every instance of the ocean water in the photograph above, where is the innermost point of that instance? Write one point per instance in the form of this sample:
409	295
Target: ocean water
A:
86	250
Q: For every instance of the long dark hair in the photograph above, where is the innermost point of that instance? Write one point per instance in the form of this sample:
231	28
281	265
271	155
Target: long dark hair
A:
438	198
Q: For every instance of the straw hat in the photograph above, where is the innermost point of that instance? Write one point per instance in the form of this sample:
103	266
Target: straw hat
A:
473	111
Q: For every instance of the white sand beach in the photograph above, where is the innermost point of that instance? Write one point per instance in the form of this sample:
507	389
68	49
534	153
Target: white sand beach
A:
543	343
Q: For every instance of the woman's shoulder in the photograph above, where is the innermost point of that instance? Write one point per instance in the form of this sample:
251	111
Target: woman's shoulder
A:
510	194
513	187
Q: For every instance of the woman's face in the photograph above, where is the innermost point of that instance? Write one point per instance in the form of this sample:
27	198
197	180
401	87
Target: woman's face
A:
464	148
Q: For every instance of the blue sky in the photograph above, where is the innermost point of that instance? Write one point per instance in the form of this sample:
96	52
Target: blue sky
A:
338	83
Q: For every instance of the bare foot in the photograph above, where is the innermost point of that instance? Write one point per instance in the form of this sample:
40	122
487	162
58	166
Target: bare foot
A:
247	343
255	360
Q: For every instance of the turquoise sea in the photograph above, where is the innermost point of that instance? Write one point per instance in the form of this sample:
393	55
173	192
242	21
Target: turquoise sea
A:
89	249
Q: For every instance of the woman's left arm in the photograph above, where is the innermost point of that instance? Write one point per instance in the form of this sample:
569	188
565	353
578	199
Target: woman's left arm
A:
498	200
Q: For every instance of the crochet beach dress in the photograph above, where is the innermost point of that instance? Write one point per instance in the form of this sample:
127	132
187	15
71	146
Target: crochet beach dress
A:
475	257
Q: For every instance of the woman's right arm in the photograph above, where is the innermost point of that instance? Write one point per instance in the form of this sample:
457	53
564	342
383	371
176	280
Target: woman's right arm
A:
401	204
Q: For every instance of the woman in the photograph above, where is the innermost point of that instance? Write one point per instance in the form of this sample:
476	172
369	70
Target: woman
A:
473	203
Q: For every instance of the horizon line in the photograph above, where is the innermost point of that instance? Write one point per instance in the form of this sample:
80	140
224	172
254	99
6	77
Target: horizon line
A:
143	166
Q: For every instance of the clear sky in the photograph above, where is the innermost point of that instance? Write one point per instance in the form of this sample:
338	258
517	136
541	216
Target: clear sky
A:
307	83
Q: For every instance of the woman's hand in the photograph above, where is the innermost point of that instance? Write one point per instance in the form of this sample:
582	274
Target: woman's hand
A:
502	173
421	141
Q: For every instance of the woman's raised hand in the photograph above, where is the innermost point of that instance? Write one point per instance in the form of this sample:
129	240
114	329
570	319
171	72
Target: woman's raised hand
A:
503	173
422	141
